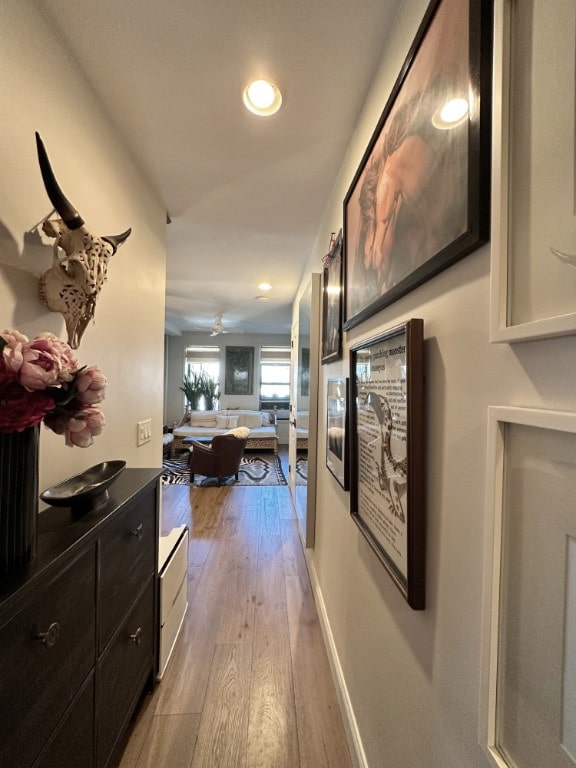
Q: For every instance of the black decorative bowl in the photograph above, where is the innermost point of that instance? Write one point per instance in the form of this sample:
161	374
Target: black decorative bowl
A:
86	491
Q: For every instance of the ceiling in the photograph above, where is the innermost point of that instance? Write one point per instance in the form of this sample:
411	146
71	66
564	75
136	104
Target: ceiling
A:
245	194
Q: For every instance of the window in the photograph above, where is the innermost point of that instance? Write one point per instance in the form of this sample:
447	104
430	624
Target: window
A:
275	373
200	359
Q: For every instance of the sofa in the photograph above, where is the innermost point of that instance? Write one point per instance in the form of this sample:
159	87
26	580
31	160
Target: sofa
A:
262	430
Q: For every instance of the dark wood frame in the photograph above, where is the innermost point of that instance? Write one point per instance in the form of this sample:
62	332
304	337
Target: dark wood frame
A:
389	393
442	220
332	304
242	358
343	477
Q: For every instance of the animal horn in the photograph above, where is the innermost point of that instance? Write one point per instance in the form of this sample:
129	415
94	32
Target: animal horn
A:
68	213
116	240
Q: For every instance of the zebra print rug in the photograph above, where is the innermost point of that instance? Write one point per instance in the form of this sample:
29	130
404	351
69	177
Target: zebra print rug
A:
255	469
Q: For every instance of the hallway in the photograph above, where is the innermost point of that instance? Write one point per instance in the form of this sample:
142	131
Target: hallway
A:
249	684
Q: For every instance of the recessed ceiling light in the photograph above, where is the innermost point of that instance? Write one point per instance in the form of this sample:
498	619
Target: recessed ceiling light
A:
262	298
265	287
262	98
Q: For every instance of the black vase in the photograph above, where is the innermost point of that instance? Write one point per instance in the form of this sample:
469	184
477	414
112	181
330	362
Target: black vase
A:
18	498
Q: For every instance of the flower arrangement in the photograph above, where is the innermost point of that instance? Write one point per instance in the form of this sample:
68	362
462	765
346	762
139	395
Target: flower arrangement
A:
40	380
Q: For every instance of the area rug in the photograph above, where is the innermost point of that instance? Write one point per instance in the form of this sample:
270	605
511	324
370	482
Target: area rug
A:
255	469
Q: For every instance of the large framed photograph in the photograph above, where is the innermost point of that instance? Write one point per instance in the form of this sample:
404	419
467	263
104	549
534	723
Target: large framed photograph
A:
337	459
533	271
239	376
529	658
420	199
387	452
332	304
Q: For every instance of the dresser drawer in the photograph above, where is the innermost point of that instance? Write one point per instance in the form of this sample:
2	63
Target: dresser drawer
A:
123	670
73	744
127	558
46	652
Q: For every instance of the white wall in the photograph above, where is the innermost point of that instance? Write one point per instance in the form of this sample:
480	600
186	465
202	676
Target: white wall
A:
176	353
42	90
413	678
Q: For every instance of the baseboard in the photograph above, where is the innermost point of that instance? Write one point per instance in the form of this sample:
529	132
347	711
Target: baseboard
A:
350	726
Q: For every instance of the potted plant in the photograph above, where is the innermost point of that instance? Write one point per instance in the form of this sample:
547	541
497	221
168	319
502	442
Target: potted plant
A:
211	393
193	389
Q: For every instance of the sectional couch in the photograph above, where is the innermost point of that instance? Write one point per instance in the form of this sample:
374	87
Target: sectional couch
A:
262	435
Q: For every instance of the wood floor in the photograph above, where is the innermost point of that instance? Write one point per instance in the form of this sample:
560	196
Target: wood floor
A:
249	685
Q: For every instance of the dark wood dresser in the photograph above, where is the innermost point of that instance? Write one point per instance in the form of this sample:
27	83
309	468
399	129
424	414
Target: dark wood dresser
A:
78	631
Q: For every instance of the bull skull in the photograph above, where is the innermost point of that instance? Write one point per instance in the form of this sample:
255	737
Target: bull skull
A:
80	260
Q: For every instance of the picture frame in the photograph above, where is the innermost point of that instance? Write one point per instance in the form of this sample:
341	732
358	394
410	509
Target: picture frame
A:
332	304
529	606
387	489
532	276
420	199
239	371
337	448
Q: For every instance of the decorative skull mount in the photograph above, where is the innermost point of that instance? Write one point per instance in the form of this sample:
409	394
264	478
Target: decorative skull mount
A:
80	261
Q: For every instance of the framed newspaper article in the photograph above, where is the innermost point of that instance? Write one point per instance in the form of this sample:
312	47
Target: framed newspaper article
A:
387	452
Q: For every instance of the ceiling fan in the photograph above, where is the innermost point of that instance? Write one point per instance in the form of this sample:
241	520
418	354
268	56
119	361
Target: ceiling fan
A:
218	327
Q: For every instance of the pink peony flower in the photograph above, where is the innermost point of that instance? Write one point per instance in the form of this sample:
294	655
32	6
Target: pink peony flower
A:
40	381
90	386
46	362
82	427
12	352
20	409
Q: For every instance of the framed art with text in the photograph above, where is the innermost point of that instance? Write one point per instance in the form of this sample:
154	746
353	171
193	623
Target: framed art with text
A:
420	199
337	459
533	270
332	304
238	378
387	452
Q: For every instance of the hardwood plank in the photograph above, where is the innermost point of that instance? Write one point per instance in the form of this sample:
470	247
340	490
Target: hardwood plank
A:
272	733
221	738
170	741
321	737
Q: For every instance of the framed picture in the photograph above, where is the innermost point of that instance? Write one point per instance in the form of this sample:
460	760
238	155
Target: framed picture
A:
529	659
533	271
420	199
337	459
387	452
332	304
239	376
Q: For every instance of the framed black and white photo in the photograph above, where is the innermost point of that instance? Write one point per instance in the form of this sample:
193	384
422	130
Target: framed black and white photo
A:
420	199
239	374
387	498
332	304
337	459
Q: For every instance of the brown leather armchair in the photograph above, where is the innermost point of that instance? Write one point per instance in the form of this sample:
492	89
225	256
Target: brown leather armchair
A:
220	459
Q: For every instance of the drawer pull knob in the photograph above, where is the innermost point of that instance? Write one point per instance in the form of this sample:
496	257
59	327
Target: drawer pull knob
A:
50	637
137	636
137	532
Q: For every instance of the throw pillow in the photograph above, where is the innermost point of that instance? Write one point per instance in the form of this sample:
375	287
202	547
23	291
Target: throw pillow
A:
226	422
